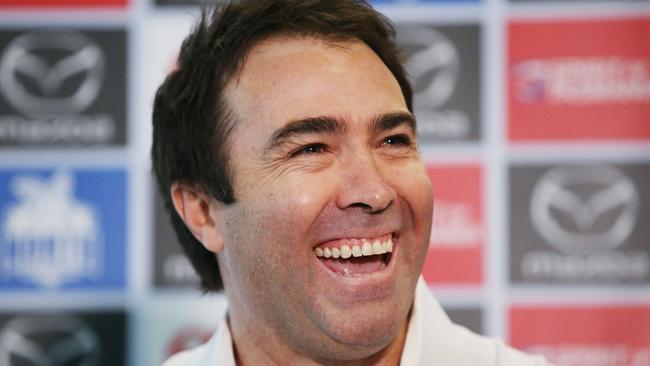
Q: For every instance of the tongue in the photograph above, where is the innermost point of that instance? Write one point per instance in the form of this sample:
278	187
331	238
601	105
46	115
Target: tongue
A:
355	265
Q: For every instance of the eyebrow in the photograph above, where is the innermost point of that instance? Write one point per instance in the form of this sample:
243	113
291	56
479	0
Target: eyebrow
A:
331	125
312	125
388	121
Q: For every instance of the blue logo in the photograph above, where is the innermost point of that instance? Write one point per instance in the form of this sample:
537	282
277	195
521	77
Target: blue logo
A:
62	229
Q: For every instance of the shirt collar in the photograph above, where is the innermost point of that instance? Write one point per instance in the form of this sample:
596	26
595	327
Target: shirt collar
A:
427	322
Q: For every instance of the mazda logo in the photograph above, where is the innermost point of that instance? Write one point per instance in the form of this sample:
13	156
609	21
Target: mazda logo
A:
581	210
43	340
51	73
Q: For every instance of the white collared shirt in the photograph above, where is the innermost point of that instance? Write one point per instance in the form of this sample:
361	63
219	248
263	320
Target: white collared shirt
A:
431	339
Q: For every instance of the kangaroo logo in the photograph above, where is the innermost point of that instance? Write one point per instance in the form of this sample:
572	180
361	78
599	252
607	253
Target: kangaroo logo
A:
49	237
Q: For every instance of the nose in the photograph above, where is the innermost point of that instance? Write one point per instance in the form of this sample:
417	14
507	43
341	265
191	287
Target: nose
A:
364	186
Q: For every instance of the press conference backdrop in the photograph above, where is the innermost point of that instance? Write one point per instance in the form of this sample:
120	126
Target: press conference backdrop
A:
534	123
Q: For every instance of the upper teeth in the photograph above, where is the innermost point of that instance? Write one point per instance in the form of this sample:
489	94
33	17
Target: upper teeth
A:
346	251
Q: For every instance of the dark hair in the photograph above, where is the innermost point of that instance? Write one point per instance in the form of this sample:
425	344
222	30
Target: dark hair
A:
191	122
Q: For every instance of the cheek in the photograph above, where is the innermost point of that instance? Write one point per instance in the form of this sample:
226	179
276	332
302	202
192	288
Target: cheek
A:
268	239
415	187
279	217
416	190
291	206
424	198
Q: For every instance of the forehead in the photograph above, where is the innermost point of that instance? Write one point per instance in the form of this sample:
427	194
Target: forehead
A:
287	78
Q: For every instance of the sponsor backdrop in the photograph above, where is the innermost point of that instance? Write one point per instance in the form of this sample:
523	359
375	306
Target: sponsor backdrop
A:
62	87
62	229
56	338
534	124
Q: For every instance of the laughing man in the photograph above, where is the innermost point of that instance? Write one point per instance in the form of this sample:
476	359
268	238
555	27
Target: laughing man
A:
285	147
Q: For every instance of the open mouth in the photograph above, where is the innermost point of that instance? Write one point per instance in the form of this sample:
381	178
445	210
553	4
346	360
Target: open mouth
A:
356	257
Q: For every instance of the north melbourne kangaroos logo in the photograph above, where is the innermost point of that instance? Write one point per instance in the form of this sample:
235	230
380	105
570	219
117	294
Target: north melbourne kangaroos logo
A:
50	238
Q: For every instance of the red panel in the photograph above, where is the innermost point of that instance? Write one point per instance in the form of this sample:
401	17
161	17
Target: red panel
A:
579	80
584	336
453	266
457	239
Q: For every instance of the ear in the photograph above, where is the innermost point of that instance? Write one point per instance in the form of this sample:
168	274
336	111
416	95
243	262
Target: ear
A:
198	211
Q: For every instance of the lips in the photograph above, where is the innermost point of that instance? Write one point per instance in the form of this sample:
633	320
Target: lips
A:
356	257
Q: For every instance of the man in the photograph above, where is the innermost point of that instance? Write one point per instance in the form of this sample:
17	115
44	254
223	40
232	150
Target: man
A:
285	147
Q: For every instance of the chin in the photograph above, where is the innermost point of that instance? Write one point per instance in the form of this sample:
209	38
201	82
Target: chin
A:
362	335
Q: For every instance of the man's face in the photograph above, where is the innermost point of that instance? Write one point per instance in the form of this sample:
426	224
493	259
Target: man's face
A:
323	155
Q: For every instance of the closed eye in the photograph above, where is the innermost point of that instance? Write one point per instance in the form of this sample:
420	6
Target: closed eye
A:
315	148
